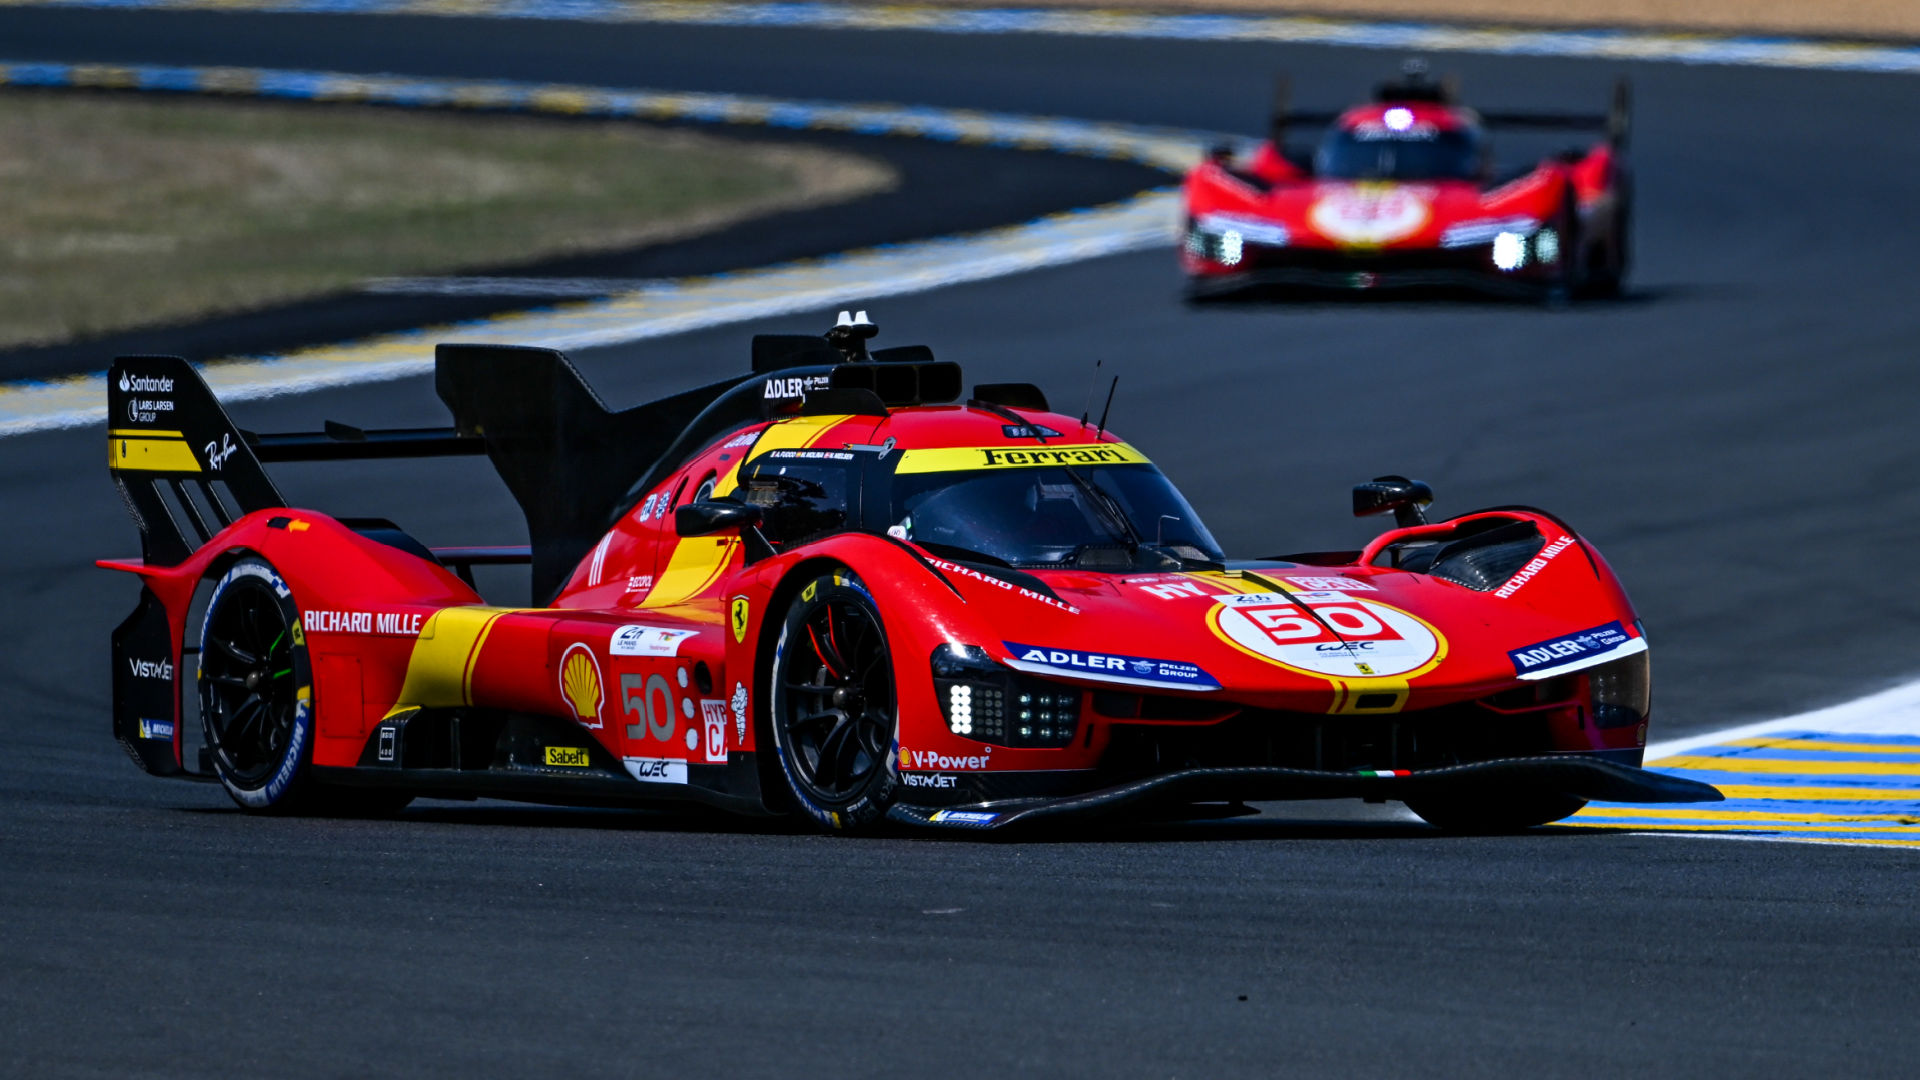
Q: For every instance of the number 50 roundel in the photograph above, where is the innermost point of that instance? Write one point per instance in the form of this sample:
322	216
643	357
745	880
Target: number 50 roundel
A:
1370	639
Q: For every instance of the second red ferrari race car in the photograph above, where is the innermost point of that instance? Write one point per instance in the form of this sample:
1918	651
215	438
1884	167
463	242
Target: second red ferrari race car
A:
1402	192
836	587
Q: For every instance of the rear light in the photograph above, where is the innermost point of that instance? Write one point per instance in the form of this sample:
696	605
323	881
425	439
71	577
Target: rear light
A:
984	701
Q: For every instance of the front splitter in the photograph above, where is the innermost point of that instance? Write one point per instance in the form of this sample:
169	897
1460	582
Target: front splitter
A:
1581	777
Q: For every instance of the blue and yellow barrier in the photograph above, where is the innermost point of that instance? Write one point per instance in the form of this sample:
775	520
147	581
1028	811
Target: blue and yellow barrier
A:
1749	51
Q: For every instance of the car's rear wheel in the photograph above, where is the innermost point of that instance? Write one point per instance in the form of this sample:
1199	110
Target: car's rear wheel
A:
1495	812
256	697
832	704
256	701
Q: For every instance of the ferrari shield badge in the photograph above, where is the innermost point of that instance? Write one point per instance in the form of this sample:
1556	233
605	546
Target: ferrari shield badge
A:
740	610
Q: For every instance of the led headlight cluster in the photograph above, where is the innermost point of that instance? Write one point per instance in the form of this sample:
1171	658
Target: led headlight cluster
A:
1045	716
1512	250
1224	238
984	701
1512	242
976	710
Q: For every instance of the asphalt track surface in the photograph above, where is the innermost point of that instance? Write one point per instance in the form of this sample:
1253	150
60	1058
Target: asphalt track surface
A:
1737	437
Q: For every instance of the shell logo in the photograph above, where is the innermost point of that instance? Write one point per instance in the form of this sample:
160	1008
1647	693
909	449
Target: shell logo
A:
580	684
1370	215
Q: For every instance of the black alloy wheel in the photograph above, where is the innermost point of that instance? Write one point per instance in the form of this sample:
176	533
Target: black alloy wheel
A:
833	706
254	680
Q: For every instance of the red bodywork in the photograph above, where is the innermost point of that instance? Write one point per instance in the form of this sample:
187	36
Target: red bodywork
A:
654	657
1266	219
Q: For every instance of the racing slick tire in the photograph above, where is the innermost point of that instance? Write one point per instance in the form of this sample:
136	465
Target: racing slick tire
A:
1569	280
1495	812
1609	279
256	701
832	711
256	689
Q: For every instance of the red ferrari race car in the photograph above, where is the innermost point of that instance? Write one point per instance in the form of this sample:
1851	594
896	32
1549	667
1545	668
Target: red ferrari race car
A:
1402	193
835	587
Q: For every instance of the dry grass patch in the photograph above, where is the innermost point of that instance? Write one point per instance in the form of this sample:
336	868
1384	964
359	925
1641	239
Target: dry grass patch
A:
129	211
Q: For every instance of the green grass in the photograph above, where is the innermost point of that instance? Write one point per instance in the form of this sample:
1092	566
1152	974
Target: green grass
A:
122	212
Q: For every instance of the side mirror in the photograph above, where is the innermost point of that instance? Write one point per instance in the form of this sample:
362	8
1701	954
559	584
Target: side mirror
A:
713	515
1406	498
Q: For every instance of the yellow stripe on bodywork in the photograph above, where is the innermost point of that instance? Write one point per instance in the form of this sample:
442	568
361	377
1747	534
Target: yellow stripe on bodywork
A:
440	671
794	433
1023	456
152	455
695	565
143	433
697	561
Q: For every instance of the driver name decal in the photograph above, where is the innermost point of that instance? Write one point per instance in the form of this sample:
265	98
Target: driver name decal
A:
956	458
1110	667
1001	583
1329	634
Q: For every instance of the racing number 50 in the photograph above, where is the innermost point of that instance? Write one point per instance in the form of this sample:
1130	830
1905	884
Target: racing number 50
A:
637	697
1291	624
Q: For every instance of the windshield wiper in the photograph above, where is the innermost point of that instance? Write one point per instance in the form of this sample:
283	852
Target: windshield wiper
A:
1110	509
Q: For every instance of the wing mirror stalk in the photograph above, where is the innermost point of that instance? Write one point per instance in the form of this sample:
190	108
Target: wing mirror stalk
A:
1407	499
708	516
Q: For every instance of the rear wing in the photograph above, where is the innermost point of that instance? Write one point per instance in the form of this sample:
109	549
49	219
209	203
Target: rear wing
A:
186	471
1616	122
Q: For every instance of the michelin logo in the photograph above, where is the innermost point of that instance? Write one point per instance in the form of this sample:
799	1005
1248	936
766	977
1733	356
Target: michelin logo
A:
156	729
1572	652
1110	667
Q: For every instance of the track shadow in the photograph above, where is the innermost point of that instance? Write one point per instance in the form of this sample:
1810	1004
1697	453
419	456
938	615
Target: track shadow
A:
702	821
1272	298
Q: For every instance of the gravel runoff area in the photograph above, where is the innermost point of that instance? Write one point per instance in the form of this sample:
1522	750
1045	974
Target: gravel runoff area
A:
1876	19
125	211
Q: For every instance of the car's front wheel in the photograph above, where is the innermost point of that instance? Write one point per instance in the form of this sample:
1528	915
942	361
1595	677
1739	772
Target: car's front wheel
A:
832	705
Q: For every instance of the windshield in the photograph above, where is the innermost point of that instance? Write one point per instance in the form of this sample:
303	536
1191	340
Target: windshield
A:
1378	153
1092	516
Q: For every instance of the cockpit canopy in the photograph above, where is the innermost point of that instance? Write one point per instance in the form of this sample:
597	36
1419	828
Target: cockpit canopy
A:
1411	141
1097	516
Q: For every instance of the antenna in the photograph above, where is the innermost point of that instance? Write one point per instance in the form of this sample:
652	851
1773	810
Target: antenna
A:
1092	385
1109	407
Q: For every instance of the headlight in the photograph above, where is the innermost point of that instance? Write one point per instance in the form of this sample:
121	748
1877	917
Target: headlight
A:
1546	246
1509	251
1231	247
1224	238
982	700
1622	691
